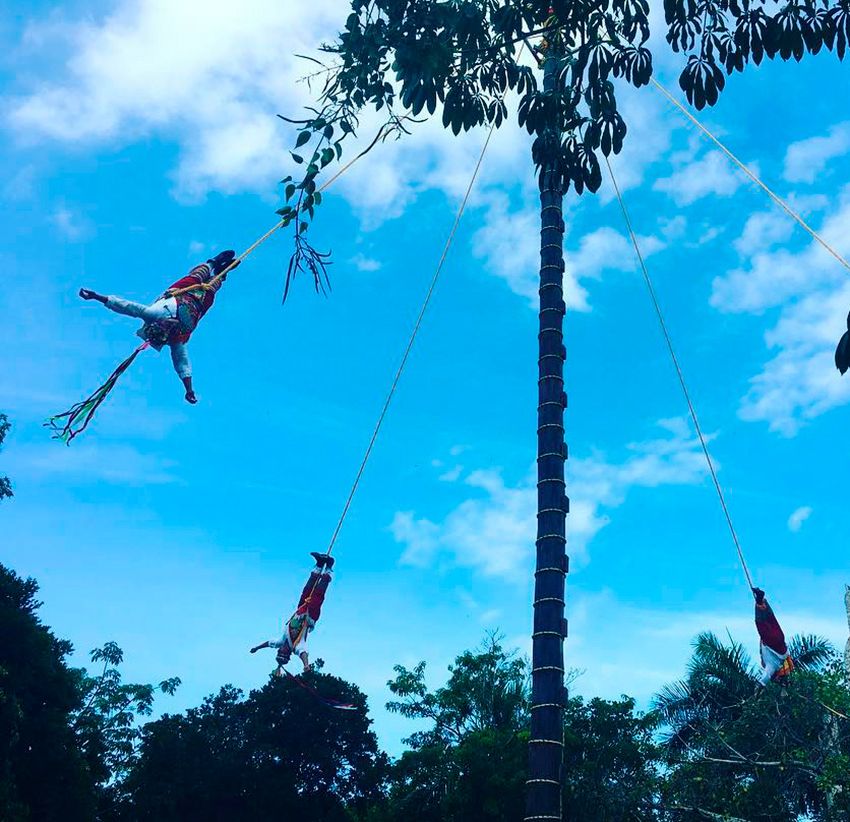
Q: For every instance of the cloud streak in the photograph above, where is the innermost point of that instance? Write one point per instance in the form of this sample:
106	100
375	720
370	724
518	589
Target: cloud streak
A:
493	530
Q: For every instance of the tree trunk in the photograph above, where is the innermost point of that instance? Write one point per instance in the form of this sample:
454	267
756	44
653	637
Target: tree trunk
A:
545	756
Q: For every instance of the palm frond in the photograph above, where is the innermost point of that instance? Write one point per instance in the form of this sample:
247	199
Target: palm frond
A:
810	652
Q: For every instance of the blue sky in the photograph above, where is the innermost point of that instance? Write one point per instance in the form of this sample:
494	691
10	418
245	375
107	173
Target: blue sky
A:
140	138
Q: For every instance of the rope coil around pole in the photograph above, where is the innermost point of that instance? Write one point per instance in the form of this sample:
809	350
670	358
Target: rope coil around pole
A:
753	176
672	351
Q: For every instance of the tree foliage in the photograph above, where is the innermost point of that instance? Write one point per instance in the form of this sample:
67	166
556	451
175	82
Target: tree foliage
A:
461	59
410	58
64	735
742	751
470	761
610	761
5	483
43	775
723	36
246	759
107	722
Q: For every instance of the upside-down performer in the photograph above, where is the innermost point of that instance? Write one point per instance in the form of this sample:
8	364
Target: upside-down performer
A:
303	621
776	662
170	320
842	351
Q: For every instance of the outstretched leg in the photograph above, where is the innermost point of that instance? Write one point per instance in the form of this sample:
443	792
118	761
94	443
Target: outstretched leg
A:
314	605
312	582
162	309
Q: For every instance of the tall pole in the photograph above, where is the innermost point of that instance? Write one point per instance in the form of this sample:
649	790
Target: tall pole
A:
545	755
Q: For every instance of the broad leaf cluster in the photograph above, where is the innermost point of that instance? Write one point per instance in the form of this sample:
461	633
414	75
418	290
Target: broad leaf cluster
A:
723	36
463	58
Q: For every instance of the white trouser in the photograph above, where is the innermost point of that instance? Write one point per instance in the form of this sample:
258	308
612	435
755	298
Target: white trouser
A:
164	308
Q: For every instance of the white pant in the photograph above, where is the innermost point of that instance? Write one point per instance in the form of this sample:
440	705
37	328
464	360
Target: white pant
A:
164	308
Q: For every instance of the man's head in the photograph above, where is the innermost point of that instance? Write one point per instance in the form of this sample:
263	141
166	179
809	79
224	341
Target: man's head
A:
283	655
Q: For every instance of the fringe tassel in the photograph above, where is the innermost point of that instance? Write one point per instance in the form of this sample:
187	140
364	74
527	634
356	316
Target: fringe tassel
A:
330	703
74	421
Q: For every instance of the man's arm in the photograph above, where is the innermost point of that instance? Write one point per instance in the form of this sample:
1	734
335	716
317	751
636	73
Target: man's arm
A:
260	647
180	358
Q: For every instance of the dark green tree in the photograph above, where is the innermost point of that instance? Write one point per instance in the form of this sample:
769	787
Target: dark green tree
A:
724	36
106	724
5	483
43	774
64	735
738	750
611	760
470	761
280	753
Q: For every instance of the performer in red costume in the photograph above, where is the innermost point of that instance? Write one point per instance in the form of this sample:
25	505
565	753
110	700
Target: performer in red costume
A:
175	315
303	621
776	662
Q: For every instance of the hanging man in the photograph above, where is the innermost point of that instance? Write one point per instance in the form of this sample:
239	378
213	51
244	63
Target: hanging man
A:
172	318
776	662
299	625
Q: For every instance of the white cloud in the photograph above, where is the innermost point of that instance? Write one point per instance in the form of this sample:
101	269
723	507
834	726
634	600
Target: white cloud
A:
806	159
71	225
452	475
493	531
364	263
799	382
93	462
712	174
796	520
514	255
212	77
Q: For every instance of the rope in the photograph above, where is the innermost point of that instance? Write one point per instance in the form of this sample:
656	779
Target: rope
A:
773	196
411	341
682	383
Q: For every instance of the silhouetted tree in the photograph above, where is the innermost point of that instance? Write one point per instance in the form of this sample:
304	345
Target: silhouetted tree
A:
280	753
43	774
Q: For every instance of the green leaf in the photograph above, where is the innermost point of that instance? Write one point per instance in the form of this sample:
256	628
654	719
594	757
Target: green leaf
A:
297	157
303	137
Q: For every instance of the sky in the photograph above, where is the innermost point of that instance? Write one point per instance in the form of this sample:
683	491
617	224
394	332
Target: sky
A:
140	137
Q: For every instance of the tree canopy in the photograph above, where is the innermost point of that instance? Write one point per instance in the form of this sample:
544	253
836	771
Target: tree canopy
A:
247	758
65	736
463	59
716	746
